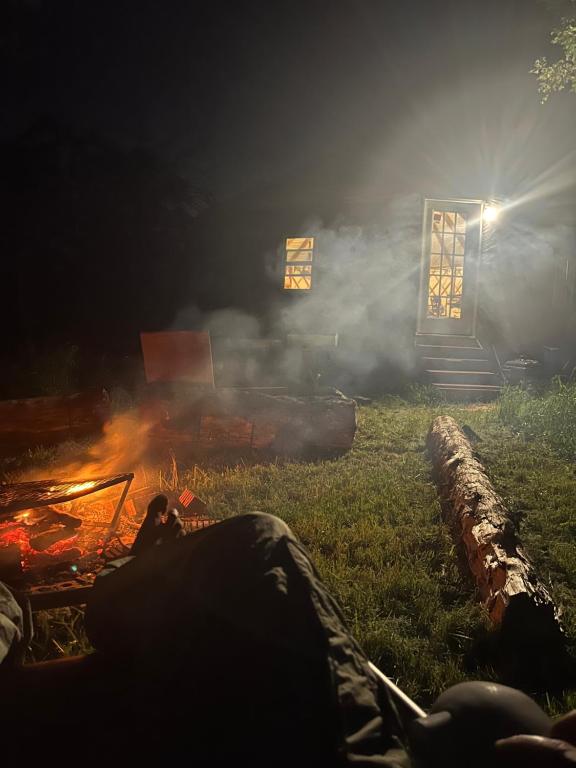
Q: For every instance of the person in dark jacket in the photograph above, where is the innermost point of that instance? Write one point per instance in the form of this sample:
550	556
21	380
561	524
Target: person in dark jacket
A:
234	629
151	529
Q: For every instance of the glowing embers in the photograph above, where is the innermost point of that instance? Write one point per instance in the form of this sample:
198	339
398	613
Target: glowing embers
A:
298	263
46	526
40	538
446	275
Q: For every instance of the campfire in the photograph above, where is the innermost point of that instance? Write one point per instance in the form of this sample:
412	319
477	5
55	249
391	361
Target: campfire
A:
49	525
57	531
63	522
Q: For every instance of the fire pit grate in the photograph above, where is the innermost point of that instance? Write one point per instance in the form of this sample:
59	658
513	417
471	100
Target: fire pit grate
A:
46	527
39	493
54	541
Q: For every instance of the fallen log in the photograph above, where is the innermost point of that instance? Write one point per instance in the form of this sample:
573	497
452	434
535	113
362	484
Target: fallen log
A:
518	604
48	420
252	420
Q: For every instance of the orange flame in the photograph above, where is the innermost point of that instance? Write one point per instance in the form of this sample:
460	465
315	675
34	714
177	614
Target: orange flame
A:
80	487
120	449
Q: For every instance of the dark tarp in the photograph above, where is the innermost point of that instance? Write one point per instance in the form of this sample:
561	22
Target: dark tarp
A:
11	622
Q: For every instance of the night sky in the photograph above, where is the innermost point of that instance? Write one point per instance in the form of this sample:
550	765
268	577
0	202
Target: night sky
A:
238	92
234	98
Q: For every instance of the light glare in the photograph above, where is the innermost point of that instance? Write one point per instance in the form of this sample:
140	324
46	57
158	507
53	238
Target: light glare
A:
491	213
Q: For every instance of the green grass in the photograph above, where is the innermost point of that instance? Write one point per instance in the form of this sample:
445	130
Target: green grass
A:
58	633
549	416
371	521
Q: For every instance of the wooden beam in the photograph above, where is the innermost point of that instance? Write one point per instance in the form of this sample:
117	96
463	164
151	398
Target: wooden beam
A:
45	600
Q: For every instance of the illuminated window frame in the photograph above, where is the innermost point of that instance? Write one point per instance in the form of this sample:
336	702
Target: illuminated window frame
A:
448	236
298	263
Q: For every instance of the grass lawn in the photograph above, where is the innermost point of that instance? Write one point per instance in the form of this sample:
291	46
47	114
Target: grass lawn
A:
371	520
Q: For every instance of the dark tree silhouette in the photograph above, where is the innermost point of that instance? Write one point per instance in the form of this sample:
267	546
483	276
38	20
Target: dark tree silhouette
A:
97	239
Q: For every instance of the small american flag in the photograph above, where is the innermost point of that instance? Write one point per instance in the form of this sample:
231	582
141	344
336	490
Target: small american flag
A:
186	498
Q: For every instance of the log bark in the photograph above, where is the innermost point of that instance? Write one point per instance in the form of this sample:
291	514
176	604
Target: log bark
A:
251	420
48	420
517	601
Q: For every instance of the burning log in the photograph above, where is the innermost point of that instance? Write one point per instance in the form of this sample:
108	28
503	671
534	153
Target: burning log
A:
39	528
46	540
517	602
44	518
45	420
57	559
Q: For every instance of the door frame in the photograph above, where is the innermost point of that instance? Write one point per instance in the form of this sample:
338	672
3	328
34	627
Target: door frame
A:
450	327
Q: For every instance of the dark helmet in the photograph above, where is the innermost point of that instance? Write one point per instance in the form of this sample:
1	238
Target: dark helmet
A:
467	719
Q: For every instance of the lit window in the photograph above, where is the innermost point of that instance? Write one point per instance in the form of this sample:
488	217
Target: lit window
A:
446	275
298	263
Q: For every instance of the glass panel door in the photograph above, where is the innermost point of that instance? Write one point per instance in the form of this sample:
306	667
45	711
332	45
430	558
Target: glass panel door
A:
450	259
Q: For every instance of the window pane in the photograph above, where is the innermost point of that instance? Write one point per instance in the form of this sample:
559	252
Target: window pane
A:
297	283
299	256
299	243
447	266
299	269
448	244
445	285
449	221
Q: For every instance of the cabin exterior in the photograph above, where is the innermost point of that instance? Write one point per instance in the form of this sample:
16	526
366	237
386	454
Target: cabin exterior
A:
392	284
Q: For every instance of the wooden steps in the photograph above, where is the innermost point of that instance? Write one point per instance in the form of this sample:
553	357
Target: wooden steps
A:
458	363
458	366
